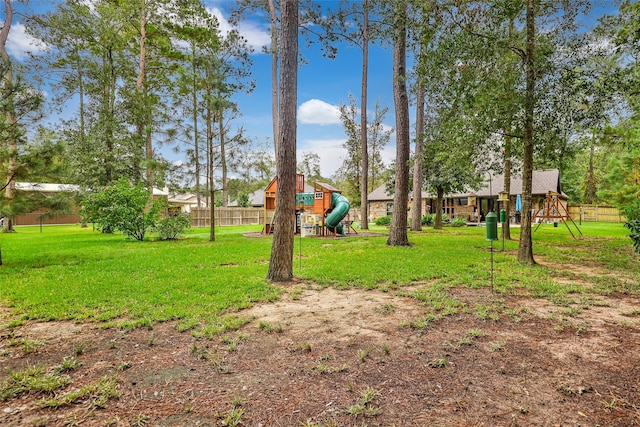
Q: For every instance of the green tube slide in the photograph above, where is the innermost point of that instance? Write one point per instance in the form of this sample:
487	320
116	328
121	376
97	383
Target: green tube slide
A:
339	209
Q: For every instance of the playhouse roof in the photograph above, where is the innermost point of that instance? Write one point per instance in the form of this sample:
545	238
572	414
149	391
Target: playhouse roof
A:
327	186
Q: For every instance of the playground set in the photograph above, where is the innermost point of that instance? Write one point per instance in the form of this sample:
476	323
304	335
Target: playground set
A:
318	213
554	211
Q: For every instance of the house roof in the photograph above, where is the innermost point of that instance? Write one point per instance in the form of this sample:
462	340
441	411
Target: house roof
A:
69	188
185	199
380	194
46	187
543	181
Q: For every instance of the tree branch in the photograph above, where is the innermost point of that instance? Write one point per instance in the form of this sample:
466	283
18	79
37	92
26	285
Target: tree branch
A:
510	135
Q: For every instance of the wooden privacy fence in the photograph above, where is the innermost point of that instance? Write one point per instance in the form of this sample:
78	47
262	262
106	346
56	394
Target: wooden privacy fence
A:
200	217
593	213
34	218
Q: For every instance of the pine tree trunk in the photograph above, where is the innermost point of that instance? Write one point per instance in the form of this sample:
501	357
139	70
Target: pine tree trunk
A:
81	106
109	105
506	228
364	186
194	106
525	248
81	112
590	187
210	182
223	155
416	205
281	262
9	113
398	229
143	134
274	74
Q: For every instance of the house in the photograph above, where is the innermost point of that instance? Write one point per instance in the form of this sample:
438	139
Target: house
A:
474	205
47	189
182	203
256	200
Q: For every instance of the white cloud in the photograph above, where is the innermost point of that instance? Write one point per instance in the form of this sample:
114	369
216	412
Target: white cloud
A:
388	128
19	43
330	151
315	111
388	154
256	36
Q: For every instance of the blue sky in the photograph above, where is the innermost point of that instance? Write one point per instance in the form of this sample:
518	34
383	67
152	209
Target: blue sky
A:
322	85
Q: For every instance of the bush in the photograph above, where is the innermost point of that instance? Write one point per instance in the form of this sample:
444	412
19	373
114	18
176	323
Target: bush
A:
634	233
458	222
172	226
383	220
243	200
428	219
121	207
632	213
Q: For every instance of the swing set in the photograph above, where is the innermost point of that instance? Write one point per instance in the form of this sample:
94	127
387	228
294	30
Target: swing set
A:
553	210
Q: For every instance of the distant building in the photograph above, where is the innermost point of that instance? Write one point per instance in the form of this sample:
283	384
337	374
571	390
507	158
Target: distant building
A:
474	205
37	217
183	203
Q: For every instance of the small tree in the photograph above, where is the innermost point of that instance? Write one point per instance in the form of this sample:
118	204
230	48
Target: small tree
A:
632	212
121	207
243	200
172	226
621	186
398	229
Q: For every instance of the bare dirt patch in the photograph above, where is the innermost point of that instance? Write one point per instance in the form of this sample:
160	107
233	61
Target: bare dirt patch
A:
344	316
329	357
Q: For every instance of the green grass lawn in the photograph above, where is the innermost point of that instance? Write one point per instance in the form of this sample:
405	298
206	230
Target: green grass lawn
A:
66	272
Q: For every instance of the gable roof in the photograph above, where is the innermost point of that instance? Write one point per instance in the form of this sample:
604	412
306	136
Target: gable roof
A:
187	198
69	188
46	187
543	181
380	194
326	186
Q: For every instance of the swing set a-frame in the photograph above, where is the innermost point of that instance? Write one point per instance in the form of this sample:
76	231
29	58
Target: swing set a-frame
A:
555	211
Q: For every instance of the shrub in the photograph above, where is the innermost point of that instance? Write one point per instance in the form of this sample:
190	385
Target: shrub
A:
172	226
458	222
428	219
121	207
634	233
632	213
243	200
383	220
